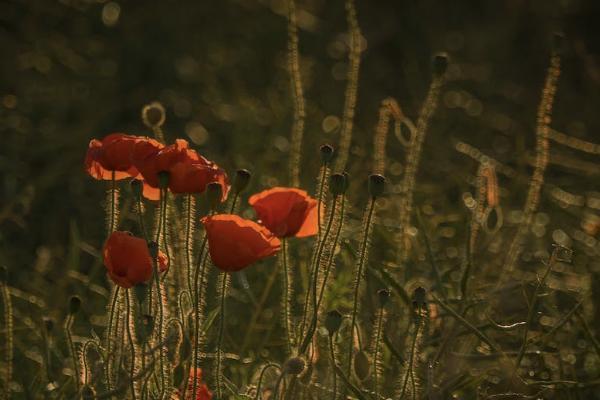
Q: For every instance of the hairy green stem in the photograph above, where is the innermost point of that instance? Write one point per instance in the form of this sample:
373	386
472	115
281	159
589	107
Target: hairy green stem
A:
218	368
358	278
131	343
72	349
286	299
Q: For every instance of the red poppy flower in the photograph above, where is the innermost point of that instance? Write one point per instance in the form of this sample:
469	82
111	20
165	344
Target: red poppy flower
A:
234	242
286	211
128	260
188	171
114	154
202	392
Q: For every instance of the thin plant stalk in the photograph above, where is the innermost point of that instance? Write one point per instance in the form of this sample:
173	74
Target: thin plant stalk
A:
358	277
333	363
286	299
128	324
219	351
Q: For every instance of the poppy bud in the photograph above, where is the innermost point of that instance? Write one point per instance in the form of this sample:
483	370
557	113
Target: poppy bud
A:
558	43
362	366
214	192
294	366
333	321
137	187
242	179
144	328
153	249
88	393
140	291
419	297
376	185
338	184
74	305
163	179
440	64
153	115
384	296
48	324
326	151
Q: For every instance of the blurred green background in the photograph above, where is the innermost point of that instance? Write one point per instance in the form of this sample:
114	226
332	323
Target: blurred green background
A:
76	70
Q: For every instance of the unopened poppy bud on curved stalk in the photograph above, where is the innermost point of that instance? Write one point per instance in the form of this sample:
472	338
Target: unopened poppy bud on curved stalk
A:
338	184
153	115
234	243
242	179
376	185
48	324
558	43
286	212
128	259
333	321
74	305
327	152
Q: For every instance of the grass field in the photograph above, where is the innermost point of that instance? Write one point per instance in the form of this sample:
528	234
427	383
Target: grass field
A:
322	199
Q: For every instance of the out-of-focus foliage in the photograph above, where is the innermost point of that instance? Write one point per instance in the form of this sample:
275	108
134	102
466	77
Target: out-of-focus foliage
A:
74	70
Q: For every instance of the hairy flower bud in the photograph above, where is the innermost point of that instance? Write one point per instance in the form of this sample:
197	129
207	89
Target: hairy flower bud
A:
376	185
74	305
294	366
338	184
326	151
440	64
333	321
242	179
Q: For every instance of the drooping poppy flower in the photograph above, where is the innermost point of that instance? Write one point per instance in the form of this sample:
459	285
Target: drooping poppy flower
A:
234	242
286	211
127	259
202	392
188	171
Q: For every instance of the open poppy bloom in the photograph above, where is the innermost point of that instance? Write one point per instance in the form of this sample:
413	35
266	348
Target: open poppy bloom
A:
202	392
235	242
286	211
114	154
188	171
128	260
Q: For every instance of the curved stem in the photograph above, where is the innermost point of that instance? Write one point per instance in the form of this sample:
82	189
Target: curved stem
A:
72	350
159	301
262	374
198	281
109	335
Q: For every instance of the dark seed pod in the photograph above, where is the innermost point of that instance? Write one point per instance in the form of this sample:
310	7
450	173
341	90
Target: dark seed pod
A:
137	187
338	184
440	64
163	179
214	192
361	365
326	152
74	305
333	321
419	297
376	185
383	296
153	115
242	179
294	366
